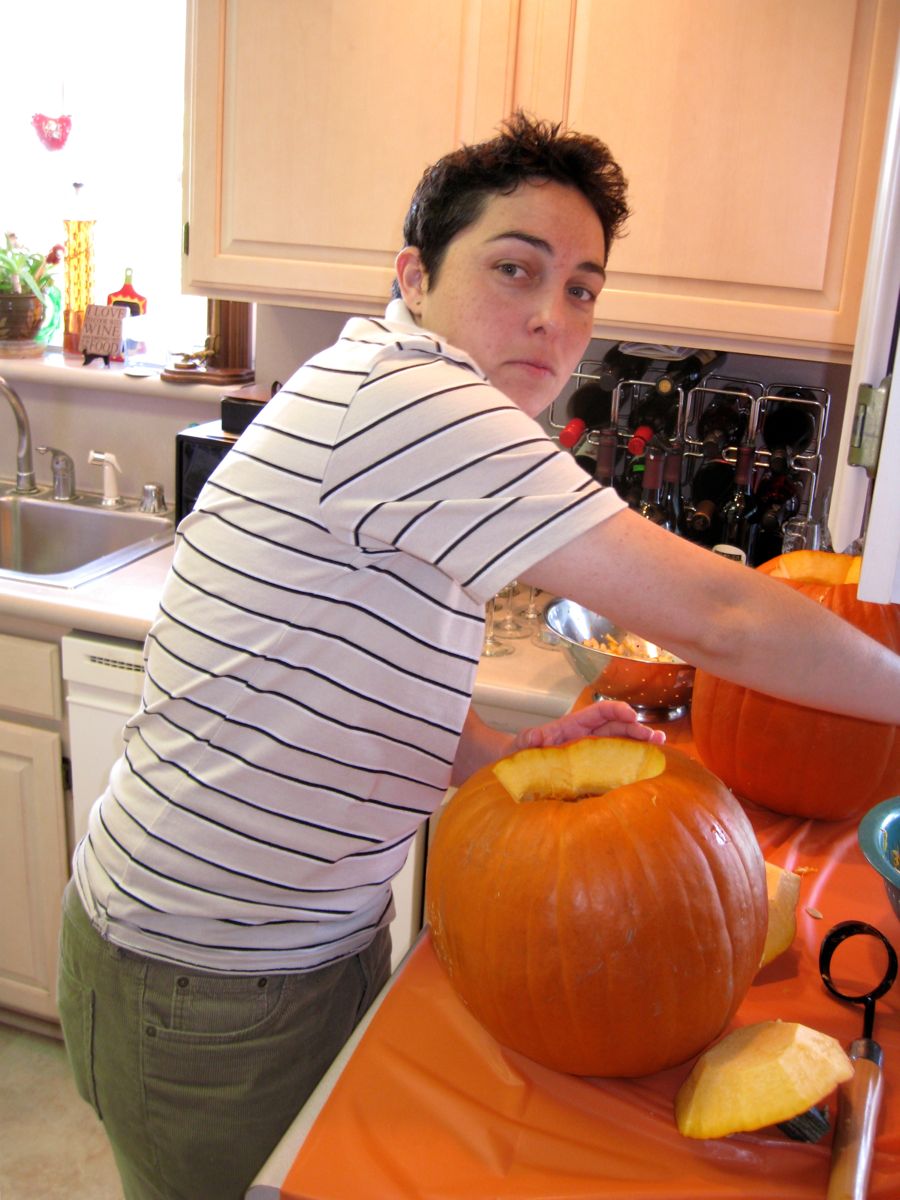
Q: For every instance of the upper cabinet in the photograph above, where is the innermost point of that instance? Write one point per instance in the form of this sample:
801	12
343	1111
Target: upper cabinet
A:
750	133
309	124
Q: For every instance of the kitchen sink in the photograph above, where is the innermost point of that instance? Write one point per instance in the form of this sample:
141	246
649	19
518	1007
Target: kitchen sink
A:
67	543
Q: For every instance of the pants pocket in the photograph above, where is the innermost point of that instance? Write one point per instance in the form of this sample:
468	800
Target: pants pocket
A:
76	1012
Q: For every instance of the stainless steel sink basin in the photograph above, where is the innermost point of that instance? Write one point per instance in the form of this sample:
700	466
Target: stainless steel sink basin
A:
65	544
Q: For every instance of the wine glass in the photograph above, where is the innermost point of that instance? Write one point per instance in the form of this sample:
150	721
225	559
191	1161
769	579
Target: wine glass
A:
530	611
545	638
492	646
508	626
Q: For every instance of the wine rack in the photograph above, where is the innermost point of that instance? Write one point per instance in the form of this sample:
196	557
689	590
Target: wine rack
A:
755	400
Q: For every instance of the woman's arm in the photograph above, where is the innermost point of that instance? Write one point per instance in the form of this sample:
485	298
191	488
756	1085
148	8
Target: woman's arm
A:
732	621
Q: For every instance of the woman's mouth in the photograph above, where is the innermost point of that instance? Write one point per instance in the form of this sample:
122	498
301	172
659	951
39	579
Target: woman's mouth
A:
534	367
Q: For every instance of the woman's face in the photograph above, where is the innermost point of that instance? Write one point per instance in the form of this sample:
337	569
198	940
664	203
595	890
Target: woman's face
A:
516	289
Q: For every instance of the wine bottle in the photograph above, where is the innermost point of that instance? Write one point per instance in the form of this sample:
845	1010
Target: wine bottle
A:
739	511
653	421
721	424
672	503
572	433
778	500
591	402
585	453
607	447
709	489
651	501
788	428
687	372
778	495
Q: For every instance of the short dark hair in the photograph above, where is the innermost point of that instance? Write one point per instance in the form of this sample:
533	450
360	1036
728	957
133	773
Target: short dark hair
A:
452	193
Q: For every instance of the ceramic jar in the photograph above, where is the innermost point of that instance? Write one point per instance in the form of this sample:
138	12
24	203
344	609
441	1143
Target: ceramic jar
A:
21	317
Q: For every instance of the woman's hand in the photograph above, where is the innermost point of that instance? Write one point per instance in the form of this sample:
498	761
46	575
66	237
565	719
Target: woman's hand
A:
604	718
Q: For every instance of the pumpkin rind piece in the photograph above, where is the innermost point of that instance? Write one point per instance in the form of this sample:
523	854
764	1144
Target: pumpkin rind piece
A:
615	935
790	758
759	1075
783	889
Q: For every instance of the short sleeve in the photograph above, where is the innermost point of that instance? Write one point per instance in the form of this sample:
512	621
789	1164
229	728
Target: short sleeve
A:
434	462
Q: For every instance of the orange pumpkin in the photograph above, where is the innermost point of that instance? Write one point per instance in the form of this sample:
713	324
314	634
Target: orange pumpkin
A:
606	916
789	758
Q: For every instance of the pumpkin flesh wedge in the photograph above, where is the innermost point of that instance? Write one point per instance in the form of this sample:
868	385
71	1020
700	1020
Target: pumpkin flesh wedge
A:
759	1075
615	934
783	889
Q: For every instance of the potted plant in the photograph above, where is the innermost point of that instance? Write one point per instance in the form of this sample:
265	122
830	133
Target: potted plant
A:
26	290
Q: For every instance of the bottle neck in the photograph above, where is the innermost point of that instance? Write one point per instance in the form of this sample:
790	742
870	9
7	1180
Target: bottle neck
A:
743	468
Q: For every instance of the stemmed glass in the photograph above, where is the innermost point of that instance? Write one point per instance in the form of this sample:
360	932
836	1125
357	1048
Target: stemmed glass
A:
530	612
492	646
508	626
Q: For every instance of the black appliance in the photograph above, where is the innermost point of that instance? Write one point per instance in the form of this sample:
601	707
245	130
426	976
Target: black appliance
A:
198	451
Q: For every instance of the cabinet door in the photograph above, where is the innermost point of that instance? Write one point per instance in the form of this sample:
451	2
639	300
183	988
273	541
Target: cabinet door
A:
33	867
750	132
311	122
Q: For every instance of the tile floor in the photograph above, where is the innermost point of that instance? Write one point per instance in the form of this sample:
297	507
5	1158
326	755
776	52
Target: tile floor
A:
52	1146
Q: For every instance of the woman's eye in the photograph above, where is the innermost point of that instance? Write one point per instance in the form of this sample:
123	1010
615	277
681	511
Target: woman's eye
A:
583	293
511	270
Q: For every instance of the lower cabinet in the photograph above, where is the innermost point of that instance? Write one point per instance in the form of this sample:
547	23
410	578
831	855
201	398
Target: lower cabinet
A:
34	863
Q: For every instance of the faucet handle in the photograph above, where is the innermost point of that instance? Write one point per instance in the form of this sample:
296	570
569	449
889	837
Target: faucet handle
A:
153	499
63	472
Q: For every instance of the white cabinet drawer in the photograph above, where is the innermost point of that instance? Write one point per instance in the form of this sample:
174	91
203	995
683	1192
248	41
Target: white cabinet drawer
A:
30	677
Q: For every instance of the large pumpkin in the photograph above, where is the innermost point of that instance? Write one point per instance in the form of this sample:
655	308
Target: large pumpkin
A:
793	759
600	906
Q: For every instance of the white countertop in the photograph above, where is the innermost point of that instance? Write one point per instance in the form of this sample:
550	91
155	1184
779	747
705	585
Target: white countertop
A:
122	604
535	681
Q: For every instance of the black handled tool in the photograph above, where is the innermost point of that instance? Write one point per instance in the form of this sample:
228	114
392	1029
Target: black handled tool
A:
859	1100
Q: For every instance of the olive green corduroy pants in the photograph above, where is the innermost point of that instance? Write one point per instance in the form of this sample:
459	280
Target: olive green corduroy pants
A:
197	1075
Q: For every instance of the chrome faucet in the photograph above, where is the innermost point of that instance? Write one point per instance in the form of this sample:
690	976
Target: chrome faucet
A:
24	462
63	472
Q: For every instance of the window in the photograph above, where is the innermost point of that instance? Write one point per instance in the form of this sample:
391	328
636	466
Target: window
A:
116	68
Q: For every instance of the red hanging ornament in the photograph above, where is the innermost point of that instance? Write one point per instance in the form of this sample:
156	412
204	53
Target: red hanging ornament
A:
128	297
53	131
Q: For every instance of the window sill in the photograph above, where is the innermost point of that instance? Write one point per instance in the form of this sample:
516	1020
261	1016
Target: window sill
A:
67	371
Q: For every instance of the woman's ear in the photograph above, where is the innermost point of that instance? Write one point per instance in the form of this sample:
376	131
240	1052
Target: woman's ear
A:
412	278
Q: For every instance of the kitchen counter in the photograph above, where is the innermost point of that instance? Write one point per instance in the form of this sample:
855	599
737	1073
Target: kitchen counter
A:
122	604
424	1102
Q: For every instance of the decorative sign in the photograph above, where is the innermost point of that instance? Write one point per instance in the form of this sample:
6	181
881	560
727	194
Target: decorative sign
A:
101	333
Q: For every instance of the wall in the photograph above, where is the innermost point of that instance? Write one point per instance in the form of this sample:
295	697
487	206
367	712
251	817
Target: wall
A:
79	409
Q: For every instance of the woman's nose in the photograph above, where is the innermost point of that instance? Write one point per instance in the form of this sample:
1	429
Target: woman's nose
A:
547	315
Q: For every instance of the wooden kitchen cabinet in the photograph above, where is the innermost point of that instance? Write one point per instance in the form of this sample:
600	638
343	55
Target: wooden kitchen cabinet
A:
33	852
310	123
750	132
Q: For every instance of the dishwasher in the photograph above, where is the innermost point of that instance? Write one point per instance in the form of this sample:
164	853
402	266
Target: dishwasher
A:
103	678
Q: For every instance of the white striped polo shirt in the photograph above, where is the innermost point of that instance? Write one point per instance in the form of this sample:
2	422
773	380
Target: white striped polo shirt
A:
313	659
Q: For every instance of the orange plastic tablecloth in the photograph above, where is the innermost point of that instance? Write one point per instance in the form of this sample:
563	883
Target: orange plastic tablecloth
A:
430	1106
